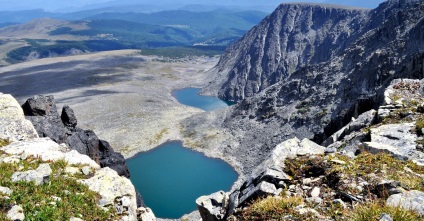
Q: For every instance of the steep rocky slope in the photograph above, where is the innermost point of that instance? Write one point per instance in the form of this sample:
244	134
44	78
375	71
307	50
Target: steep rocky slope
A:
372	168
294	35
316	100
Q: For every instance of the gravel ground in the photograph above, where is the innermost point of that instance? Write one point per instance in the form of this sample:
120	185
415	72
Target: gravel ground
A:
124	97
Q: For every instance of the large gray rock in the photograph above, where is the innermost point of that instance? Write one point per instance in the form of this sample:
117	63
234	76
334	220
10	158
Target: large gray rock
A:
16	213
411	200
13	125
269	177
40	105
39	176
145	214
396	135
395	139
213	207
47	150
5	191
115	191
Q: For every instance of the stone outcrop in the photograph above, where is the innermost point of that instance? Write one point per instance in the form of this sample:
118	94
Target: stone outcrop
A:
413	200
14	126
145	214
305	170
42	112
39	176
214	206
117	192
16	213
268	179
396	139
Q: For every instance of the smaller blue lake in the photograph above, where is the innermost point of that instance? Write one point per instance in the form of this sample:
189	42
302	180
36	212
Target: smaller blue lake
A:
190	97
171	177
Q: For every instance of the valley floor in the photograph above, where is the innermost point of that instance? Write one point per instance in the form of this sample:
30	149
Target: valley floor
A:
124	97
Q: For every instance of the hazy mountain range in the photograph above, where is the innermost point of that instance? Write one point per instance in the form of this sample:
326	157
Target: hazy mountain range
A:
78	5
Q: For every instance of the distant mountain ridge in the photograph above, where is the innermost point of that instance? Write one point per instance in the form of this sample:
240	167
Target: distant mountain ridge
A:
294	35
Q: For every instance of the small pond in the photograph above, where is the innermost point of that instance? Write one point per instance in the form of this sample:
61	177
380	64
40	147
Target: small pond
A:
171	177
190	97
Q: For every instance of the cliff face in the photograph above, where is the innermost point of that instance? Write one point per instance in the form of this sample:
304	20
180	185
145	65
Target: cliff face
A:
294	35
315	100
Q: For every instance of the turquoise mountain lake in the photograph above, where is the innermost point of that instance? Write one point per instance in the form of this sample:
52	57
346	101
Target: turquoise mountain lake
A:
190	97
171	177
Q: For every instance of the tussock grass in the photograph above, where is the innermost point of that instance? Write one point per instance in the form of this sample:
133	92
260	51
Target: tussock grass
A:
272	208
4	142
373	211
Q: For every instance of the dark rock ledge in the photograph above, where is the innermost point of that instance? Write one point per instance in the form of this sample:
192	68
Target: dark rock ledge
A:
42	112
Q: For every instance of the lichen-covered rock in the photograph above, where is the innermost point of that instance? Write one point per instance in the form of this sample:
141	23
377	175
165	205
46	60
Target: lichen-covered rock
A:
47	150
116	192
16	213
145	214
39	176
395	139
213	207
412	200
269	177
14	125
5	191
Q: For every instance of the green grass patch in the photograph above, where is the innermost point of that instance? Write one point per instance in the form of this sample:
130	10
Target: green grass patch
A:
4	142
373	211
76	200
419	125
273	208
381	164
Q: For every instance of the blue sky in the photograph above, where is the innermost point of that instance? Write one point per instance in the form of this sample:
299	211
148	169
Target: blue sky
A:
52	5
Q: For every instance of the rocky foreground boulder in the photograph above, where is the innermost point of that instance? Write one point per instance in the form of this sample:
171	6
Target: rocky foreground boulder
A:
295	184
53	163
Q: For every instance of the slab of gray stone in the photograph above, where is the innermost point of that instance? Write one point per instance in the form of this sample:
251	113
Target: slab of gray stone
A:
145	214
396	135
39	176
16	213
385	217
5	191
411	200
13	125
315	192
213	207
